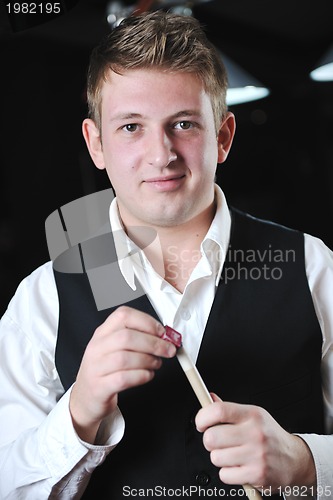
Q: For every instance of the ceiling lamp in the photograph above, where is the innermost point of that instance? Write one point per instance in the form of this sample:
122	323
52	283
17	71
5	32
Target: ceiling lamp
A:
243	87
324	70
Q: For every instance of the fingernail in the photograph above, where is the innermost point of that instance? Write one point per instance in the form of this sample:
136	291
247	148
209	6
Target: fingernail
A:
171	349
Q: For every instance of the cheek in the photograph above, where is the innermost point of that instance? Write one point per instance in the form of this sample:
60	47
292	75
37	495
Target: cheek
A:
115	159
212	152
191	152
121	155
119	176
121	170
203	156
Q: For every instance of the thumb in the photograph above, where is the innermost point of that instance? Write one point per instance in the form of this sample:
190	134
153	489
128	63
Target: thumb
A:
215	397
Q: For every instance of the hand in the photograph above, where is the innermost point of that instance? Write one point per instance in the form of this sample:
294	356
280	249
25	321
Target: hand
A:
250	447
124	352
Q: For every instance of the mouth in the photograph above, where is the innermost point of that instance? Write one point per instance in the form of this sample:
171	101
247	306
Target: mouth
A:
165	178
166	183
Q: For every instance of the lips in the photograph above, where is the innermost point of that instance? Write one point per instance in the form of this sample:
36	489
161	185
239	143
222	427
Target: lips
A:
165	178
165	184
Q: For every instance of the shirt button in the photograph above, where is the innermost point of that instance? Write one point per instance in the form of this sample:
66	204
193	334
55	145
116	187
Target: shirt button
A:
185	314
202	478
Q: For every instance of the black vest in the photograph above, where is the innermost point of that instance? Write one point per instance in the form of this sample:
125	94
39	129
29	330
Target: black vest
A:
262	345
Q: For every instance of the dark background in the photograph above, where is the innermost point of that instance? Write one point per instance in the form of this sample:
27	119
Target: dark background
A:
281	164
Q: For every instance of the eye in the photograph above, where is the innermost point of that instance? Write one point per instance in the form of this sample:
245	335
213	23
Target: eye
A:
130	127
184	125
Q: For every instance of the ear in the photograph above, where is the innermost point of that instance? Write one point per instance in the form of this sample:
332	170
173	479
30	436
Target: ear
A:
226	136
92	137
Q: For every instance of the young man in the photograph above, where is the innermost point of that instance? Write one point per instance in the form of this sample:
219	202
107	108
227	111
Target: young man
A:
95	395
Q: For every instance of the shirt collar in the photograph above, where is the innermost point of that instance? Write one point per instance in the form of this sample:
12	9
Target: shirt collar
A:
124	246
214	245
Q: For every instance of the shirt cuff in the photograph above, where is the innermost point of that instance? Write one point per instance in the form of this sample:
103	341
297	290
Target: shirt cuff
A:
61	447
321	447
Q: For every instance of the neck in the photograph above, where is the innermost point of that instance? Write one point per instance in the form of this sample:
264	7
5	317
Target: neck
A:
176	250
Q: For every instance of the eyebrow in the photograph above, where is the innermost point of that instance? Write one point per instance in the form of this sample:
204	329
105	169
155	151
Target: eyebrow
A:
125	116
187	112
130	116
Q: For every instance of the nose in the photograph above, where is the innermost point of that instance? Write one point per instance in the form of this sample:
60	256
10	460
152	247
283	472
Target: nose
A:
160	149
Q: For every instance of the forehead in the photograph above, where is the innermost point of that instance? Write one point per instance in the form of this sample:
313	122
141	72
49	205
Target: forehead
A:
153	91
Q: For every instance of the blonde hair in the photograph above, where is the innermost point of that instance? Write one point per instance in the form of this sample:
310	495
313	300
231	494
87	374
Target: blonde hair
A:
162	40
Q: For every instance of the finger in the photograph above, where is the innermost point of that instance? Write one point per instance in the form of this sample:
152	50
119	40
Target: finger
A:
237	475
211	415
221	412
227	458
130	340
128	317
215	397
222	436
236	456
122	380
126	360
130	329
134	340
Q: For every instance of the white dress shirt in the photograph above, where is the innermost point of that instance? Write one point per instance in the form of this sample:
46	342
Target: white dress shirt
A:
41	456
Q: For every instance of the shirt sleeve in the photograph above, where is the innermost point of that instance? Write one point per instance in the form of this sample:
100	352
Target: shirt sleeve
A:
319	269
41	455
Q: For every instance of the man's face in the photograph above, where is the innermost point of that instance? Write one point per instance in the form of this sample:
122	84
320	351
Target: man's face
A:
159	145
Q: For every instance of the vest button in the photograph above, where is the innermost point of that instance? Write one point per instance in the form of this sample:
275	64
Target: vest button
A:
202	478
